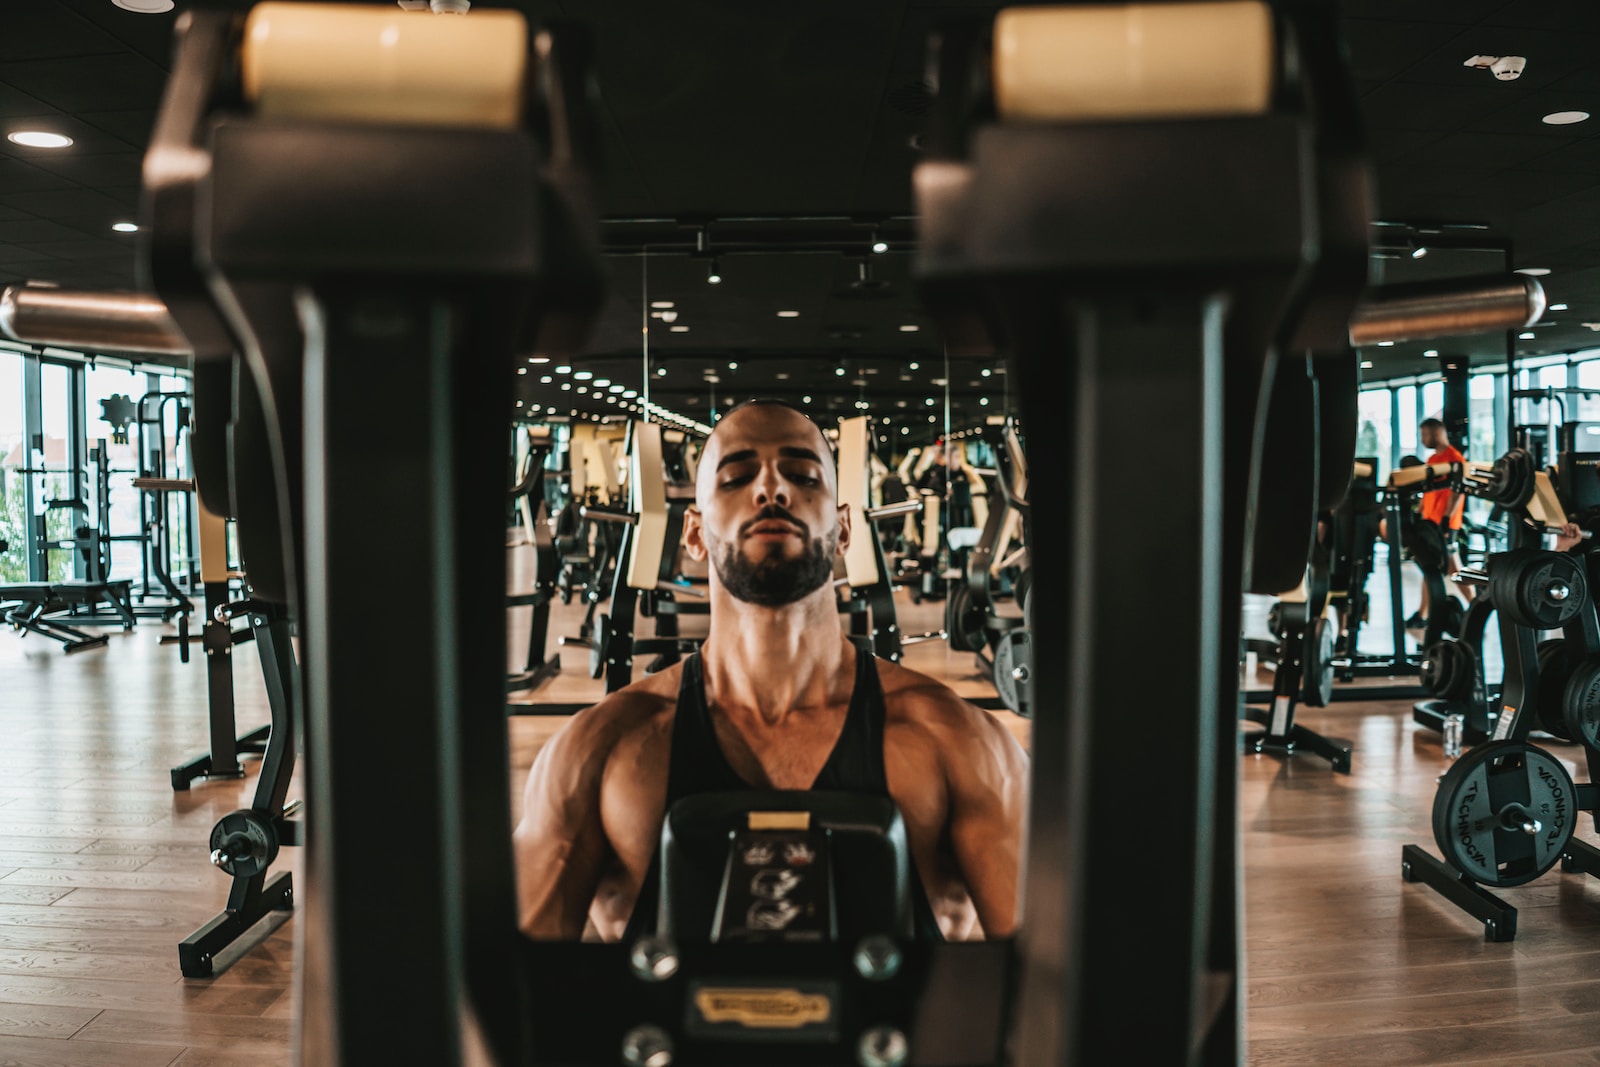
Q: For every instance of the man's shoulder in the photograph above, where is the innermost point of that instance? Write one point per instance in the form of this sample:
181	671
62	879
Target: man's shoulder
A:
912	698
630	716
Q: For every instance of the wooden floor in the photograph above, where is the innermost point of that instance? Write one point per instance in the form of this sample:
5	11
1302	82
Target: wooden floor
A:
103	870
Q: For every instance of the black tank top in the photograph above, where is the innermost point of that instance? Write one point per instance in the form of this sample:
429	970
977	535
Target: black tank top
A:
698	766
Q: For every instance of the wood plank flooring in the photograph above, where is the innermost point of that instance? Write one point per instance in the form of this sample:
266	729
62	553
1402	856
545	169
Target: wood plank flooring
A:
103	870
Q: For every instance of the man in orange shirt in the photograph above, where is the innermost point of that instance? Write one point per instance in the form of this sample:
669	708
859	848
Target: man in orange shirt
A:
1441	506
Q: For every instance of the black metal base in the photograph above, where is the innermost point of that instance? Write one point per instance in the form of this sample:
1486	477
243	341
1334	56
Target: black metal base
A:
533	679
1499	918
1433	713
1581	857
1347	694
197	952
1298	739
252	743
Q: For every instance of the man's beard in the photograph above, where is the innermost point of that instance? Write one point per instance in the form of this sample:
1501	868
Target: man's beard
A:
775	580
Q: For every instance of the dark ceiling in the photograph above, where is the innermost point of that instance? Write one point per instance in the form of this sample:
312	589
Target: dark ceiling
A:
799	126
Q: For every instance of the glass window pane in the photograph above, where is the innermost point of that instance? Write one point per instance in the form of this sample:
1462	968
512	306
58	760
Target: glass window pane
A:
1406	432
101	385
1372	437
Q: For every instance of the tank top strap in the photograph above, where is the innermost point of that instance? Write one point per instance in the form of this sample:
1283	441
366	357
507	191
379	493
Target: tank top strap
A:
856	762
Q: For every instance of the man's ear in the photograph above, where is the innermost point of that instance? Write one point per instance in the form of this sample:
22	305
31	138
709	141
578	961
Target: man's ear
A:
694	537
844	527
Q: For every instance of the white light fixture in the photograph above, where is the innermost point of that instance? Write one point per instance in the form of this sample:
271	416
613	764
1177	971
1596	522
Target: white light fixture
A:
545	379
1557	307
913	366
522	370
805	400
983	401
880	247
714	274
125	227
1432	353
1419	251
788	314
614	389
733	366
39	139
563	370
1565	118
910	328
583	388
661	372
838	372
1366	364
630	393
583	375
904	430
986	372
1525	335
538	359
662	304
566	387
1385	344
145	7
678	329
1536	272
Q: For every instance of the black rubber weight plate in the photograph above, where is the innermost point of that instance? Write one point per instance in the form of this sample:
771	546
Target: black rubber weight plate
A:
1478	830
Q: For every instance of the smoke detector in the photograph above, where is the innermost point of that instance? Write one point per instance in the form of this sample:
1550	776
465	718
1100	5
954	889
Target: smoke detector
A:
1505	68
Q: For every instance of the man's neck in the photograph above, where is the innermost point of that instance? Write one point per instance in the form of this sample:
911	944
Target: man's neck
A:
770	662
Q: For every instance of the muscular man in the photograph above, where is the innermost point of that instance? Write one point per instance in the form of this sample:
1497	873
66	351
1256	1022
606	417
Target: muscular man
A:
778	698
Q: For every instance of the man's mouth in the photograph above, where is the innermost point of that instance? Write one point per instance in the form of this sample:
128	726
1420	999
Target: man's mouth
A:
775	527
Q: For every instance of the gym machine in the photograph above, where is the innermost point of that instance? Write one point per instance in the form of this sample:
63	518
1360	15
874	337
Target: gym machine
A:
529	505
1157	248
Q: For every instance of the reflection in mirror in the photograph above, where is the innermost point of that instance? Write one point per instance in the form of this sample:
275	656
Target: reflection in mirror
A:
636	764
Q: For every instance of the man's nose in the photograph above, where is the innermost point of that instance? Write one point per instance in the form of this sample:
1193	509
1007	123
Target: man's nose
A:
770	489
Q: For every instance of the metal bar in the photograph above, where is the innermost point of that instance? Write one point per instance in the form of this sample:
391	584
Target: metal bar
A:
112	321
1450	308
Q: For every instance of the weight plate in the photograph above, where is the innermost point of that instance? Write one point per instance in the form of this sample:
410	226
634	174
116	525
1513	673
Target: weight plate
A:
964	620
1555	668
1511	479
1316	666
248	839
1540	590
1449	669
1454	616
600	645
1504	812
1581	703
1013	665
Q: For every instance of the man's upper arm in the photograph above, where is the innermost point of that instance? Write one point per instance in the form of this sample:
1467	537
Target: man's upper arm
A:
987	774
561	847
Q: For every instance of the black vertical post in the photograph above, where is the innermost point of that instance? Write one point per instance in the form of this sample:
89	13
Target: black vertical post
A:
1457	403
77	458
33	458
1165	360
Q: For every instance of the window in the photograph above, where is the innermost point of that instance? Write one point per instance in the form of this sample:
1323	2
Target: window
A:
13	508
1374	425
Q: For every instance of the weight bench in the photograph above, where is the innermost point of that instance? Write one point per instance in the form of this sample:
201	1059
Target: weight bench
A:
31	606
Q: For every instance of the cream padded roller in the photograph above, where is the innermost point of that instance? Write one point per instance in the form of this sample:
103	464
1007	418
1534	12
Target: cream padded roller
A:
1138	61
361	63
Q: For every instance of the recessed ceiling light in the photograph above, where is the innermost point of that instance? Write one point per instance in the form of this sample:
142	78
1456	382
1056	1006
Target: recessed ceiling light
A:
583	375
522	370
733	366
805	400
913	366
662	304
145	7
1385	344
661	372
1366	364
1565	118
1537	272
1557	307
1525	335
125	227
983	401
1432	353
563	370
39	139
546	379
678	329
788	314
566	387
838	372
910	328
